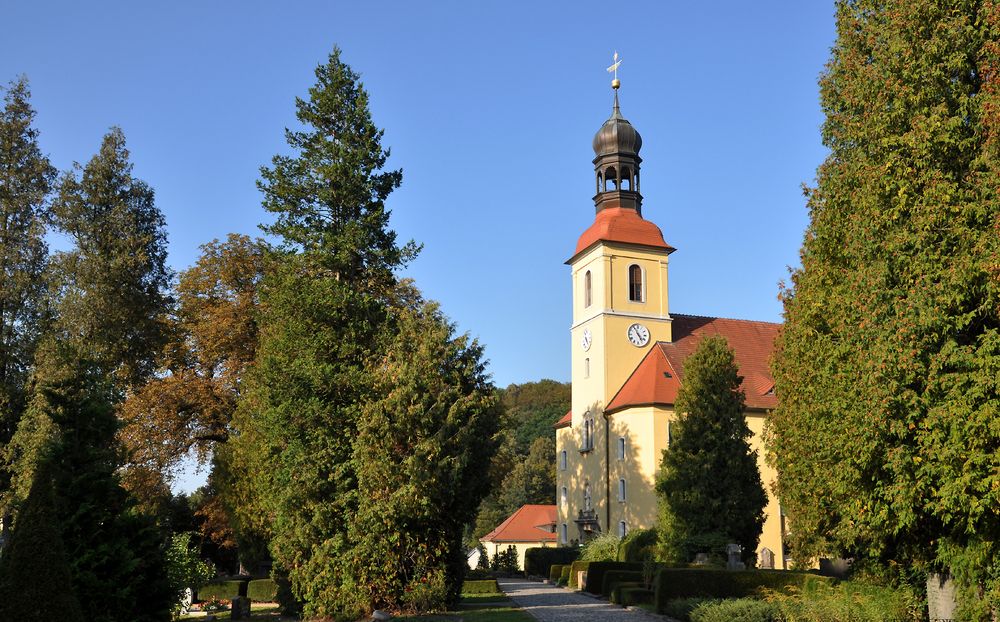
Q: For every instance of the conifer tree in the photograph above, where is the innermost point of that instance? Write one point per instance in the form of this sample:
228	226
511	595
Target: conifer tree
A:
419	454
324	312
25	181
709	485
107	301
885	438
35	580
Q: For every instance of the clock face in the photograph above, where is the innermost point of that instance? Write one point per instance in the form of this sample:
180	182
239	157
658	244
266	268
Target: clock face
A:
638	335
586	340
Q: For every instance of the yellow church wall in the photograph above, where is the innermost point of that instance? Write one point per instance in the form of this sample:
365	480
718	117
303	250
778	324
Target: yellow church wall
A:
644	431
771	536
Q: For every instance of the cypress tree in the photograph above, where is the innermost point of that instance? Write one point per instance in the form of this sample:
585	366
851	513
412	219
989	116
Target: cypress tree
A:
709	485
885	437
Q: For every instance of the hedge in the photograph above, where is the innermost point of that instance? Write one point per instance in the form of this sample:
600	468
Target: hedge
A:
262	591
743	609
671	583
616	591
555	571
485	586
222	590
564	577
639	595
612	577
574	571
538	560
595	574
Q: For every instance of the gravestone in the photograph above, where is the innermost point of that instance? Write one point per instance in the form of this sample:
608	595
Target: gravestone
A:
240	609
941	602
701	559
378	614
766	559
734	562
186	600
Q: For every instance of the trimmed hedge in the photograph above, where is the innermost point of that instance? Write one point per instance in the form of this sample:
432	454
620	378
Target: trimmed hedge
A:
223	590
595	574
538	560
671	583
613	577
638	595
564	577
485	586
262	591
574	569
555	571
616	591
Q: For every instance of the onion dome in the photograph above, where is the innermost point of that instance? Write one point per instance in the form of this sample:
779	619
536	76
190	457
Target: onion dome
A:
617	135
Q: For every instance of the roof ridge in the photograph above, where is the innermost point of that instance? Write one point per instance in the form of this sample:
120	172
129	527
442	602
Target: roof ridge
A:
731	319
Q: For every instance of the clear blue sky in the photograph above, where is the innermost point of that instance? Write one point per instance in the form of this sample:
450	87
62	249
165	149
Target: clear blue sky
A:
489	108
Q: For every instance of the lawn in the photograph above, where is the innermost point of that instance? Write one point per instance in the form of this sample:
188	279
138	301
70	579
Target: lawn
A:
259	612
477	608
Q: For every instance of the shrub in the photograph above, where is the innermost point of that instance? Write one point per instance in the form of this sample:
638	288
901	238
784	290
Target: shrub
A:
681	608
478	574
221	590
555	571
538	560
672	583
638	544
743	609
851	600
603	548
566	571
505	561
616	590
638	595
614	577
184	568
597	570
574	570
487	586
262	591
427	594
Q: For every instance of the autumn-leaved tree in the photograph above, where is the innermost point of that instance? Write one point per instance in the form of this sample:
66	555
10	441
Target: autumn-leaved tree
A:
887	369
709	486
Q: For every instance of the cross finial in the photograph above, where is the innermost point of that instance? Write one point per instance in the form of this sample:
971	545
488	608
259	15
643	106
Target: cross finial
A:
614	70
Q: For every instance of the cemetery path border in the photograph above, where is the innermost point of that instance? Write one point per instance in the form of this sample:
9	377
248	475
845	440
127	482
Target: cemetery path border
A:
548	603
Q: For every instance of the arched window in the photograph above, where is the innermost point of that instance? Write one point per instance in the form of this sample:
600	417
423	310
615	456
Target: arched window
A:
564	533
588	500
610	179
562	460
626	179
621	489
621	447
635	283
622	530
588	291
588	432
600	181
563	497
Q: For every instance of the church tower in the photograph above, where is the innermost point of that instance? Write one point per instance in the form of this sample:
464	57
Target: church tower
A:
620	311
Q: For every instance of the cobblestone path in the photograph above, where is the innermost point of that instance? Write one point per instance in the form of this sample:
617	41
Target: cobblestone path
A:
547	603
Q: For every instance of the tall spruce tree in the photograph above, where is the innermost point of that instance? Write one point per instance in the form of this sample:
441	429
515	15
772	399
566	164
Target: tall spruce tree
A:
25	181
709	485
885	439
324	312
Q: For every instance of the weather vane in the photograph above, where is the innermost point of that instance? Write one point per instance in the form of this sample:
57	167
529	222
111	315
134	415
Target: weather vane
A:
614	69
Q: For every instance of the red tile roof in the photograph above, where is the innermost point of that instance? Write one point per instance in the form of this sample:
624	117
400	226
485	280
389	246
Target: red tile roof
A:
621	224
530	523
657	378
565	421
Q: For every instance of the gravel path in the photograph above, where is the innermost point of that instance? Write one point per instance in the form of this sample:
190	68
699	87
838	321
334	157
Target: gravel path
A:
547	603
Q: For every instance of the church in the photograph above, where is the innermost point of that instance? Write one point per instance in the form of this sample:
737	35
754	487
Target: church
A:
628	352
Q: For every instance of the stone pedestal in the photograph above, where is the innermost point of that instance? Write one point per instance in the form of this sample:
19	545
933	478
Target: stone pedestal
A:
941	603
